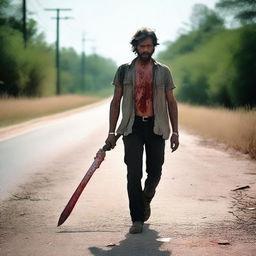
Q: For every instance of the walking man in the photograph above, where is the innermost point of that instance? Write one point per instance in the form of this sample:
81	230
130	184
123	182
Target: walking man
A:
145	88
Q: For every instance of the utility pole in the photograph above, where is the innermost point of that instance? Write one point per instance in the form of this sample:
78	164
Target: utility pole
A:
24	22
83	65
58	18
83	86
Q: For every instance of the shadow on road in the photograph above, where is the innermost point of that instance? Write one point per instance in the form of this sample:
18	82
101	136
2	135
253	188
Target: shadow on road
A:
135	245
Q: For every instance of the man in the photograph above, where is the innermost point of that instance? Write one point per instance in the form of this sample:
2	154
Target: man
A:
145	88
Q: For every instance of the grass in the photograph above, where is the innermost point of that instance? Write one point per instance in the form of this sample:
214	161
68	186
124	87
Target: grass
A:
107	92
15	111
235	128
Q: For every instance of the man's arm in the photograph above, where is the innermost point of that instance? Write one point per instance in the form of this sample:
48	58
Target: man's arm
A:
114	114
173	114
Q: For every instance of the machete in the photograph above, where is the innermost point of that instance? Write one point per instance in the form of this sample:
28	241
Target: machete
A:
96	164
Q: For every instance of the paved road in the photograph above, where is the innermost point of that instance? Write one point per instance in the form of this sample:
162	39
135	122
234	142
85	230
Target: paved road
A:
193	210
21	155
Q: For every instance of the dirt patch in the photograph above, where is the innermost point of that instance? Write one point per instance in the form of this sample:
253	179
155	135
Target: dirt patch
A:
244	210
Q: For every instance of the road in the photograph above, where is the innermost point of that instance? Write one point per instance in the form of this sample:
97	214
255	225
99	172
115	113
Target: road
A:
193	211
21	155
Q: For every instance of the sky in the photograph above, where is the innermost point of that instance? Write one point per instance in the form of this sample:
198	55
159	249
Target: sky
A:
108	25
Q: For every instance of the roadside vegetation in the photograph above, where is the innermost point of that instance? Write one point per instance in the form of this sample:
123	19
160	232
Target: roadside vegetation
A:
213	65
14	111
235	128
212	61
30	71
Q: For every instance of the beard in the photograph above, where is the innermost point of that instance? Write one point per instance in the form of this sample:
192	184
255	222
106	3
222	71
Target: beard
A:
145	56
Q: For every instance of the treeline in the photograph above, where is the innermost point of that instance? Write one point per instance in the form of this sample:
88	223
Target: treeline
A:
97	72
31	71
212	64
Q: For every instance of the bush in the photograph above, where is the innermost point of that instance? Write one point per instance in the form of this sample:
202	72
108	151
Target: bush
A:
219	70
24	71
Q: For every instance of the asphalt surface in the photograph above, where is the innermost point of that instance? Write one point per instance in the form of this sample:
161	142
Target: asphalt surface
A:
195	211
21	155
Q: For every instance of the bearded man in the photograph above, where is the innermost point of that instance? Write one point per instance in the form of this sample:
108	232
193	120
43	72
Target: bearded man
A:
145	88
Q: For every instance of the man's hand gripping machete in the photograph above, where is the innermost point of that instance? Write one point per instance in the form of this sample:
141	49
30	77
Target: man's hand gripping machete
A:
96	164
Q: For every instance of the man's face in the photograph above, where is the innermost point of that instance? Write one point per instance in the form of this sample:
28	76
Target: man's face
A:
145	49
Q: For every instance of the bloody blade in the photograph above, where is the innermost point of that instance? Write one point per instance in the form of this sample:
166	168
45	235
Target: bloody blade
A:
72	202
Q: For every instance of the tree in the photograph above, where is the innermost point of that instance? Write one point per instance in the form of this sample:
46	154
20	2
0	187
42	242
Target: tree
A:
205	19
243	87
30	71
3	4
203	23
242	10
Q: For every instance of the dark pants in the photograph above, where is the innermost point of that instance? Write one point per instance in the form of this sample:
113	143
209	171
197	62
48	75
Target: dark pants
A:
134	143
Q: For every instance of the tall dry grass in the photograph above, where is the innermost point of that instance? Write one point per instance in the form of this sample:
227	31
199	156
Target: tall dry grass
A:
236	128
13	111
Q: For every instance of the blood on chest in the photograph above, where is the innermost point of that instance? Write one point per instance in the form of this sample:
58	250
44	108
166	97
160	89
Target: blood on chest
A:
143	89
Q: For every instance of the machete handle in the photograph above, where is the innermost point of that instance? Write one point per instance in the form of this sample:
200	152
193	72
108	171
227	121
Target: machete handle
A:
107	146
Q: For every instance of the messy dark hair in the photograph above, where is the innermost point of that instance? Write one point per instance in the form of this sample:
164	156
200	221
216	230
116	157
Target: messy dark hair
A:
141	35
